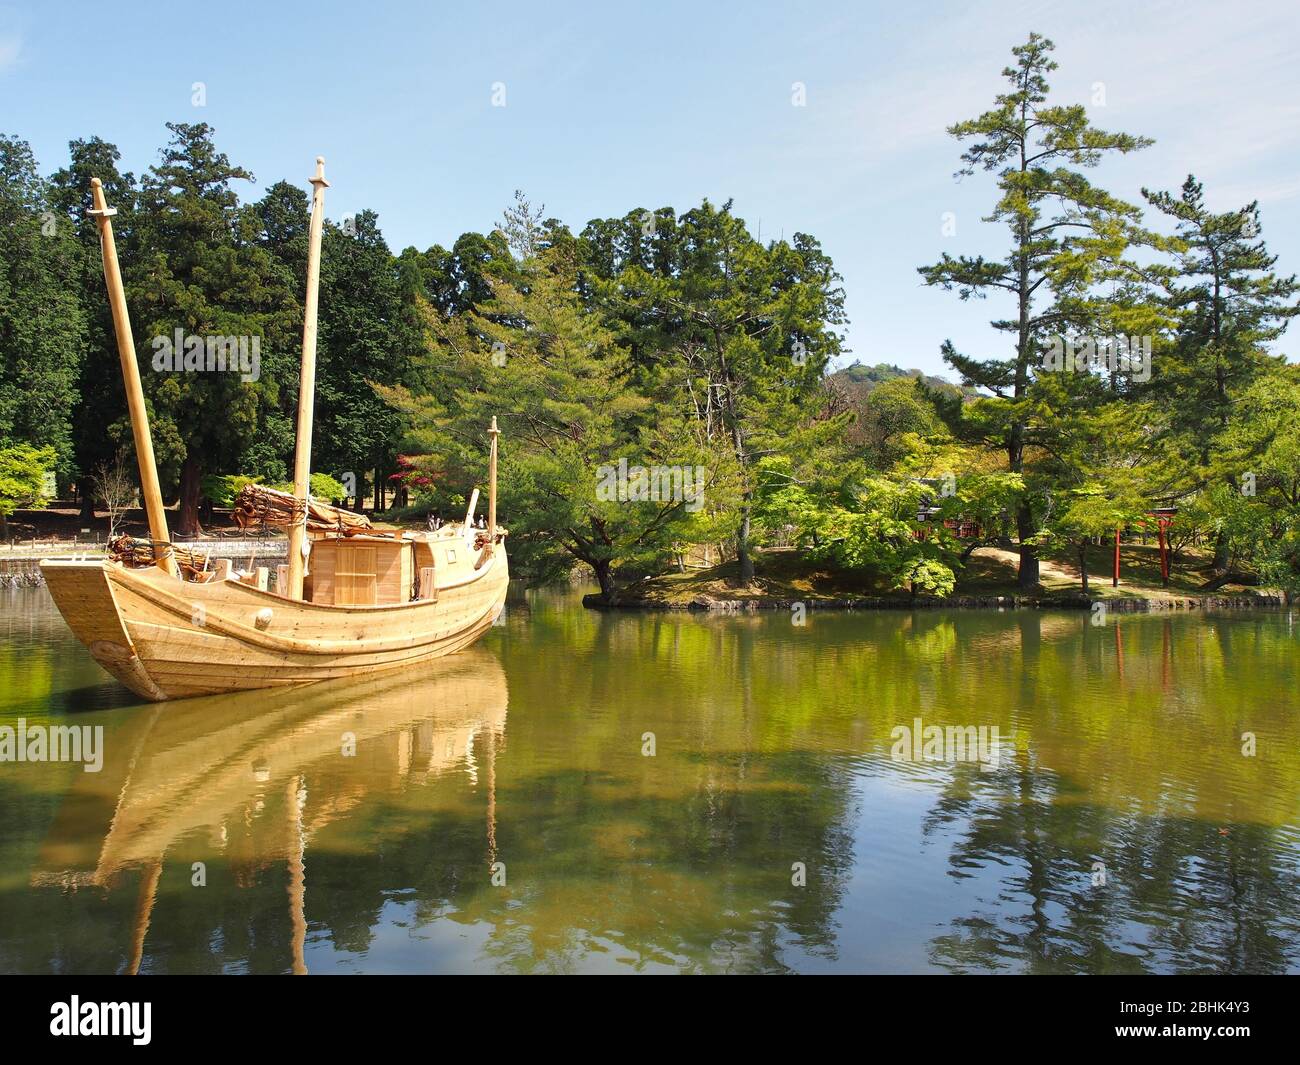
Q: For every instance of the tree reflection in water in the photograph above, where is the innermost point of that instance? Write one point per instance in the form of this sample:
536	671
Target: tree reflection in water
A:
1121	745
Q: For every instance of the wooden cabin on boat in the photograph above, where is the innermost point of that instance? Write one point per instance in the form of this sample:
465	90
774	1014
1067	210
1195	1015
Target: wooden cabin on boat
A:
360	571
390	567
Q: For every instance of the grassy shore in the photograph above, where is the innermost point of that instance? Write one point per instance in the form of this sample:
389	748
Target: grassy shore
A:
790	575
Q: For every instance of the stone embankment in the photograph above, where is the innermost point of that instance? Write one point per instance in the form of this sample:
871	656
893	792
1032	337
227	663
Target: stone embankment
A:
717	605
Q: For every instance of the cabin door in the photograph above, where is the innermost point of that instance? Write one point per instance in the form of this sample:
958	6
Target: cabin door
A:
354	576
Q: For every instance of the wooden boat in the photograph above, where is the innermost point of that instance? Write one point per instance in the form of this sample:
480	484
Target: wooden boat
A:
375	598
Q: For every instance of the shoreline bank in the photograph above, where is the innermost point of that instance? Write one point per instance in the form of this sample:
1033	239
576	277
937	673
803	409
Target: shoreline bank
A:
1134	605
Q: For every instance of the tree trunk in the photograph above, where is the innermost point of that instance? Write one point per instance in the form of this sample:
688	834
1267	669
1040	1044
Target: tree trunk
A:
1220	564
742	459
87	503
605	576
379	492
187	520
742	550
1230	576
1083	566
1027	576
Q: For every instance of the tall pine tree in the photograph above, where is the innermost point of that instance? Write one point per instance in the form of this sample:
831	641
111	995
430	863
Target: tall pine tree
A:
199	267
1066	235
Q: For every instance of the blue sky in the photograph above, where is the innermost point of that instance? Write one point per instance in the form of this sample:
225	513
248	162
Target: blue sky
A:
614	107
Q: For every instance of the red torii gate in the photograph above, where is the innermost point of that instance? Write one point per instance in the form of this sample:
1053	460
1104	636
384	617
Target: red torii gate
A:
1164	518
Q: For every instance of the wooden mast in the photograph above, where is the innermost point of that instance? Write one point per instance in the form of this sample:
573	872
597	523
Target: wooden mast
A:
494	432
307	384
489	548
149	489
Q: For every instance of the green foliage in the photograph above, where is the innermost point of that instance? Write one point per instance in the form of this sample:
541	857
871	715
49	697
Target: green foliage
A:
325	488
1255	508
879	534
99	396
742	331
558	382
22	476
369	332
1228	303
220	489
894	409
42	325
931	576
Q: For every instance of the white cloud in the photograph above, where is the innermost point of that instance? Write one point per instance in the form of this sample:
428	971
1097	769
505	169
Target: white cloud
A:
1231	197
1217	90
10	46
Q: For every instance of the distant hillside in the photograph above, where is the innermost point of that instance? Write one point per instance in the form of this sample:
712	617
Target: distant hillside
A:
867	377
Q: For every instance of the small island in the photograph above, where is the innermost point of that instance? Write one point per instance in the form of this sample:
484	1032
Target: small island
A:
788	580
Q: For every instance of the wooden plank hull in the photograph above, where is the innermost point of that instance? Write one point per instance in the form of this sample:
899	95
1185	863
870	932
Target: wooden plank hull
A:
170	639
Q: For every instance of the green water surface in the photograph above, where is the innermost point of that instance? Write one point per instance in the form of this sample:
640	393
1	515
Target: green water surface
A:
664	792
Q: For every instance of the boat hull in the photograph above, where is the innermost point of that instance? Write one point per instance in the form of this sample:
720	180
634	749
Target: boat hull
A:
169	639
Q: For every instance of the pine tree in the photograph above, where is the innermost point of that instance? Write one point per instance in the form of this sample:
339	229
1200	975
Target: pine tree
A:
1066	236
198	267
1230	304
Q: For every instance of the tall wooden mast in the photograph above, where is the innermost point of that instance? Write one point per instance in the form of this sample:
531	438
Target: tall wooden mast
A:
307	383
494	432
149	489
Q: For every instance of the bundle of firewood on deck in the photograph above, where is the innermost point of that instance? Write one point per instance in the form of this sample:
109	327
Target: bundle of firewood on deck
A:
258	505
481	537
138	553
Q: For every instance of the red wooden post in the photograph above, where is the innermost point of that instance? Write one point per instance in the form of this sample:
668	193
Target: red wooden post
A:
1164	554
1114	581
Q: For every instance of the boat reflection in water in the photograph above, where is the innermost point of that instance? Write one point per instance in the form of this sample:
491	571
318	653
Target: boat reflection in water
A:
1124	828
240	783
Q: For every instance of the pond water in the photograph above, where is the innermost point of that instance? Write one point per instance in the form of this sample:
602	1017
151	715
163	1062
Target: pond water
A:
664	792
